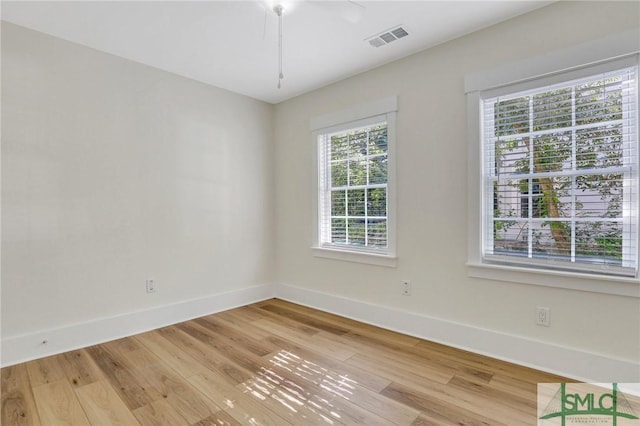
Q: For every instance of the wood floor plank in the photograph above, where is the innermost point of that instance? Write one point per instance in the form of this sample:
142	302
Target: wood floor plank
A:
486	363
422	420
387	408
287	403
80	368
206	355
402	363
226	353
18	405
45	370
221	418
270	363
309	381
237	335
518	407
133	394
305	319
362	377
181	397
242	407
310	390
333	344
319	344
296	373
436	410
171	354
376	365
248	312
350	324
103	406
244	323
159	413
285	323
57	404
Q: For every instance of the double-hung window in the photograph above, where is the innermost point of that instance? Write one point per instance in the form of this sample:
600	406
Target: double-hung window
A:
355	184
559	171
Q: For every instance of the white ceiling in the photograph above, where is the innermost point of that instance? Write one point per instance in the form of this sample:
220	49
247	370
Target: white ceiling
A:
234	44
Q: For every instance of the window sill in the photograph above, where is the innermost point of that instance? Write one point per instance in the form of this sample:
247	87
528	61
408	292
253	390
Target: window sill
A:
620	286
354	256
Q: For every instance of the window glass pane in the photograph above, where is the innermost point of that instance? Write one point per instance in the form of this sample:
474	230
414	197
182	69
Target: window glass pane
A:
510	237
506	202
531	201
552	152
555	197
512	155
378	170
357	173
552	109
551	239
377	232
338	203
339	175
599	242
599	101
512	116
358	143
357	232
355	201
377	202
338	231
599	195
339	147
598	147
378	140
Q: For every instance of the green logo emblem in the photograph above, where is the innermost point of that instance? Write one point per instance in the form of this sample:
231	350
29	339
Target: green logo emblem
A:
588	404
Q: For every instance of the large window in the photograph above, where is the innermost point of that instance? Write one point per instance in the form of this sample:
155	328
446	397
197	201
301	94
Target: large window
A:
354	196
560	164
355	183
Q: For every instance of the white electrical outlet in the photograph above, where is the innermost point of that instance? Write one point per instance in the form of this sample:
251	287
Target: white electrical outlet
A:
151	286
542	316
406	288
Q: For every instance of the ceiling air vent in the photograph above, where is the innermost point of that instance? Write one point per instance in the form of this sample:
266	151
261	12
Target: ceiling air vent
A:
387	37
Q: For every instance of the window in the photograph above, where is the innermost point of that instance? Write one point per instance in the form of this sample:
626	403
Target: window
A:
354	196
568	150
355	185
527	199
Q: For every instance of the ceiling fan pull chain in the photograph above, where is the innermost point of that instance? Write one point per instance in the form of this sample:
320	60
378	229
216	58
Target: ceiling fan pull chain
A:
278	10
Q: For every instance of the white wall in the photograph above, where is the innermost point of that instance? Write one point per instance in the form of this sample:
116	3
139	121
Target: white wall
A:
114	172
432	201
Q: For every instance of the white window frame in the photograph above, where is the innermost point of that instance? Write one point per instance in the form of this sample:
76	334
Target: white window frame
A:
380	110
620	48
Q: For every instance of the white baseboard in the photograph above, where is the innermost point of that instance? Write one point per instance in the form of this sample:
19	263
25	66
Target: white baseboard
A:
564	361
17	349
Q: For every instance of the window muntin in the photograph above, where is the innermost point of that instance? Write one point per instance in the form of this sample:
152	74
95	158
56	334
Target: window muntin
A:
353	196
570	151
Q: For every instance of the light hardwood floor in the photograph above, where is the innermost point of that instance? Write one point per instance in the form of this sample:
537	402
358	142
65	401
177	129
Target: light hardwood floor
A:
271	363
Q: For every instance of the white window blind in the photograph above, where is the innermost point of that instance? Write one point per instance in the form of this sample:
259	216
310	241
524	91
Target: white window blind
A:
560	183
353	186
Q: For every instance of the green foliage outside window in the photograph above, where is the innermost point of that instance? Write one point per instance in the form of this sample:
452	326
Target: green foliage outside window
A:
569	141
358	176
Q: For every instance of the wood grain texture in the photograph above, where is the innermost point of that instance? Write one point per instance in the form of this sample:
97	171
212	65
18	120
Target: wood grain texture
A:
103	406
18	405
58	405
270	363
